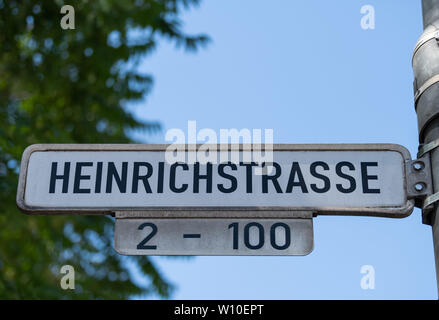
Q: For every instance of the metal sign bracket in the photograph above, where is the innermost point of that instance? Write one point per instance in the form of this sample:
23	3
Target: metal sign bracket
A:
420	183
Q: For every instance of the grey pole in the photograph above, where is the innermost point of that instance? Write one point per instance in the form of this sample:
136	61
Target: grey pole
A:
426	85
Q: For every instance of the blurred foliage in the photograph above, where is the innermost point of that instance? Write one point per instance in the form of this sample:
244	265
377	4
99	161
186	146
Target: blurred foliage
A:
72	86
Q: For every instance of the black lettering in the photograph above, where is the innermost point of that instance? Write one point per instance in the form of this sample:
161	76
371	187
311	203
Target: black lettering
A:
295	169
338	170
141	245
260	237
64	177
249	175
273	236
160	177
98	181
120	181
365	177
234	226
172	179
144	178
232	179
79	177
198	177
325	179
273	178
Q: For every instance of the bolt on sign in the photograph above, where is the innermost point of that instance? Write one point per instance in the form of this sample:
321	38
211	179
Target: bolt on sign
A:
140	182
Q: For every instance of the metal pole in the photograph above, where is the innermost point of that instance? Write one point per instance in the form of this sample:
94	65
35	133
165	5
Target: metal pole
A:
426	85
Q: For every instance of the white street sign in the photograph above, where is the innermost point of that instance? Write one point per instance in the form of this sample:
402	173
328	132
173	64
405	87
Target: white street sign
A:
267	237
323	179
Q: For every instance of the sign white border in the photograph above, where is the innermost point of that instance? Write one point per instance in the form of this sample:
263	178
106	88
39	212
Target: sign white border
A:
218	212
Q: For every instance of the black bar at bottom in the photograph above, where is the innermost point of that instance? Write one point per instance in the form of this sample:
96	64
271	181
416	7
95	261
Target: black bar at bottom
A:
217	309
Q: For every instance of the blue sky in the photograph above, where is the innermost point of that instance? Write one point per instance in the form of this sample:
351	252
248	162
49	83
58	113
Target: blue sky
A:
307	70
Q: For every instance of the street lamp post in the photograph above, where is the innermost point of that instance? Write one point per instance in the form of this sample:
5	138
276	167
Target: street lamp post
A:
426	87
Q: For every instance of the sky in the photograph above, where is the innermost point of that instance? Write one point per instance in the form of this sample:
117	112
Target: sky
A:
307	70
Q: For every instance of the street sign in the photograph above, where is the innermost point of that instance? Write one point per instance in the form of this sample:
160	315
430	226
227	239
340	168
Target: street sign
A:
266	237
322	179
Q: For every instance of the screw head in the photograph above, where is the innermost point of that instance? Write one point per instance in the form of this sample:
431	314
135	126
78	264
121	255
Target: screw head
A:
418	165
